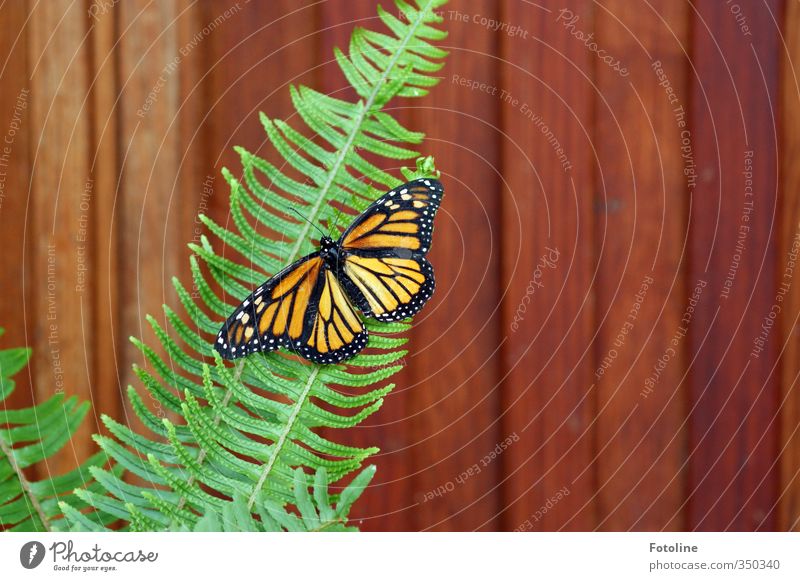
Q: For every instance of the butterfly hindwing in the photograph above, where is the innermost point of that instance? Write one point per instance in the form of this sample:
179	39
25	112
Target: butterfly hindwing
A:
335	331
388	287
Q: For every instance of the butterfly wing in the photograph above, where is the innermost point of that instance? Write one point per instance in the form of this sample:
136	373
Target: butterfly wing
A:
400	221
302	308
385	270
335	332
276	314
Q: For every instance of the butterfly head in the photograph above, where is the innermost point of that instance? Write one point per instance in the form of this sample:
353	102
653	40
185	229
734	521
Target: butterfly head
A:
329	250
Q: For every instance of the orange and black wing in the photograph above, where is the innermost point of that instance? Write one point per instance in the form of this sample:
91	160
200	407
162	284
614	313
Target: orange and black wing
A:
384	266
335	331
276	314
298	309
399	222
388	288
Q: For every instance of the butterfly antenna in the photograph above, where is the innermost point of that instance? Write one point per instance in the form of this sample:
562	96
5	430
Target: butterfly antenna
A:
333	232
339	215
307	220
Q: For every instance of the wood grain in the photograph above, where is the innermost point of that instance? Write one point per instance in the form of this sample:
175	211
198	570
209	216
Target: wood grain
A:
733	424
102	237
547	270
149	93
789	445
15	116
454	359
60	195
642	294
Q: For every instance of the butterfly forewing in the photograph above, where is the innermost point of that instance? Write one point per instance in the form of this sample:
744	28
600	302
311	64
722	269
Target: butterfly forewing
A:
276	314
400	221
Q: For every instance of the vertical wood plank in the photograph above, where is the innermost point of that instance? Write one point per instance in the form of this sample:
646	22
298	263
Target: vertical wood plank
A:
150	89
102	236
15	119
454	349
63	323
252	62
789	446
197	182
732	479
547	258
642	295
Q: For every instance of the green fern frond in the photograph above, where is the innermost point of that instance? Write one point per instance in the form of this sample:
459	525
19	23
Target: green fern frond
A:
247	439
29	437
315	510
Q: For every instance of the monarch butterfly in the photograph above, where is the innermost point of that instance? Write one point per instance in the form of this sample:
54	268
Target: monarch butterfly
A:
378	265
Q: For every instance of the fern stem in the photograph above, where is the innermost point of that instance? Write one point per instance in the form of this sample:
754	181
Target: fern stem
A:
327	524
284	434
26	486
342	154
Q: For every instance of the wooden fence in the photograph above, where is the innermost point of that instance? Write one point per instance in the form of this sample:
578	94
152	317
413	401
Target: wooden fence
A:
613	344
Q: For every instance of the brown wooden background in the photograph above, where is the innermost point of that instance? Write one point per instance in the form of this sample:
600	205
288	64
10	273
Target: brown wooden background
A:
715	446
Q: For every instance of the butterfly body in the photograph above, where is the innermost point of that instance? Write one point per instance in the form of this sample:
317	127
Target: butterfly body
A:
329	252
377	266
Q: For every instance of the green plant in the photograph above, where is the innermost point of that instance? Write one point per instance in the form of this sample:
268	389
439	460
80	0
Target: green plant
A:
247	439
28	437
